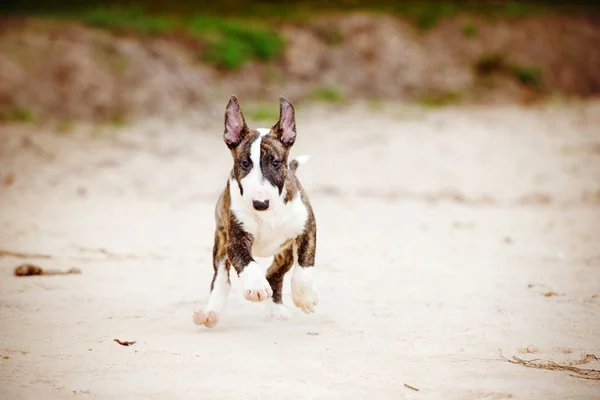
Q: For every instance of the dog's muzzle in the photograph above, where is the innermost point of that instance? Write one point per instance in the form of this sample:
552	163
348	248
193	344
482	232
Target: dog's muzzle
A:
260	205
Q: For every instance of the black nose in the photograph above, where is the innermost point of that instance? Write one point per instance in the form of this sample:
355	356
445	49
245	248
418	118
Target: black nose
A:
260	205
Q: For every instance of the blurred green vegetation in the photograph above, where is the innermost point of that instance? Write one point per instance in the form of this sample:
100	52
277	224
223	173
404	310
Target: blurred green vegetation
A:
228	42
131	18
439	99
262	112
425	12
330	94
470	30
232	32
17	114
527	75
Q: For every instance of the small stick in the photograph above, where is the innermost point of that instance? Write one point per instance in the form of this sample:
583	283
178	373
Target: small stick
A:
16	254
30	270
411	387
108	256
592	374
124	342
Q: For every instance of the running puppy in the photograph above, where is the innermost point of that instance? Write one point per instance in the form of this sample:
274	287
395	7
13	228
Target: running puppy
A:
262	212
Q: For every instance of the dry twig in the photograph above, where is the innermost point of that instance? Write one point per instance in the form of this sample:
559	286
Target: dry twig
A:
30	270
124	342
583	373
16	254
103	255
108	254
411	387
550	294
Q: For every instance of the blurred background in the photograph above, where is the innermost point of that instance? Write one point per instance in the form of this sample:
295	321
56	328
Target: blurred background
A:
115	60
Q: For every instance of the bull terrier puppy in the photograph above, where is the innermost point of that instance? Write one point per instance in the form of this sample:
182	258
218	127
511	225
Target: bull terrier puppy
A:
262	212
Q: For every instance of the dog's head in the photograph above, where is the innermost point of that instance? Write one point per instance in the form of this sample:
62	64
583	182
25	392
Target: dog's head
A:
260	156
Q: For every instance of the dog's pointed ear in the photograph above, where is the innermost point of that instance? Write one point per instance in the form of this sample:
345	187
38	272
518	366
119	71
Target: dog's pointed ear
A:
235	124
286	126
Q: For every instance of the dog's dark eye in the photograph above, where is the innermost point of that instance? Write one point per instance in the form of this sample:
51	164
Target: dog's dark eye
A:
245	164
276	163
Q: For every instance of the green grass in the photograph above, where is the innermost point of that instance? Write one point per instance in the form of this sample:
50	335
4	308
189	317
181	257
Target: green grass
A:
427	12
234	32
439	99
375	104
228	43
117	120
330	94
426	16
131	19
331	36
528	76
520	8
469	30
17	114
490	64
260	112
231	43
65	126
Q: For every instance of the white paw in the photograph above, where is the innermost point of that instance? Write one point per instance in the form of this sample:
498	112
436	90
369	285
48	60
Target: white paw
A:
277	311
255	285
304	293
207	318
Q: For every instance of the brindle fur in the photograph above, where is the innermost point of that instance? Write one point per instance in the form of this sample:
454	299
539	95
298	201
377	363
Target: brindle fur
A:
282	263
232	243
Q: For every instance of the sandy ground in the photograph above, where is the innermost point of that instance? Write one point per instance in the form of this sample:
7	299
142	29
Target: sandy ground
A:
445	238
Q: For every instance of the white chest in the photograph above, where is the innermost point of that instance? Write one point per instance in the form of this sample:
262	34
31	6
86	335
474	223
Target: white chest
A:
270	235
271	229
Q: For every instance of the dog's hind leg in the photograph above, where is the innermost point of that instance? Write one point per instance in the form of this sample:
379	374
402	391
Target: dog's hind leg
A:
282	263
219	286
304	293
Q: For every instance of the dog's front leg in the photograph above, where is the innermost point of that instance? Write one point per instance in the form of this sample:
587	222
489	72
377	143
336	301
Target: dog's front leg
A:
220	284
304	294
239	251
282	263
